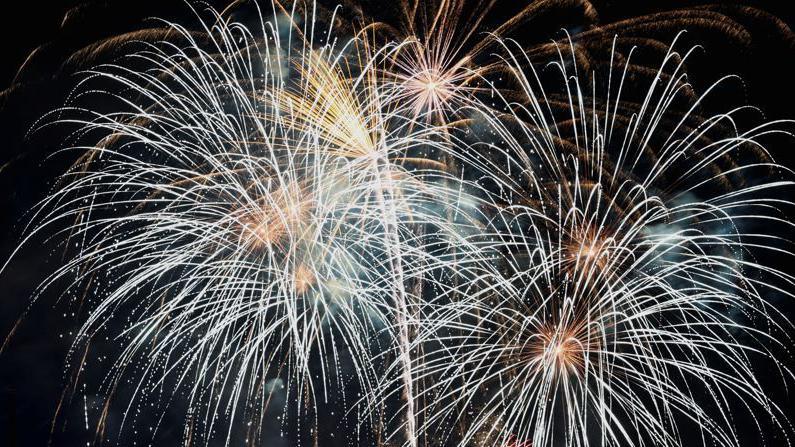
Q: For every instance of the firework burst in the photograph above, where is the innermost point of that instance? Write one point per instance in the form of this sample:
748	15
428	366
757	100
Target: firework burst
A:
614	318
250	222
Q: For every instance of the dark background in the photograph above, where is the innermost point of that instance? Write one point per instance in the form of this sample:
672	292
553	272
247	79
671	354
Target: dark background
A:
32	373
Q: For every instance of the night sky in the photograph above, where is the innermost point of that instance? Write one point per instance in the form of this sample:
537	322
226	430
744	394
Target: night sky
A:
32	372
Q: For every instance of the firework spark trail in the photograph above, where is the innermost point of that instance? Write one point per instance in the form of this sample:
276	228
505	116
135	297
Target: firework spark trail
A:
429	76
610	323
363	142
341	113
246	219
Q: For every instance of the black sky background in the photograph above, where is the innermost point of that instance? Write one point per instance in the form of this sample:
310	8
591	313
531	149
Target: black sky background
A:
32	374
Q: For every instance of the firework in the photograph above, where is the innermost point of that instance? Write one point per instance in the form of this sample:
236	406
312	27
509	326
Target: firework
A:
250	222
555	259
615	318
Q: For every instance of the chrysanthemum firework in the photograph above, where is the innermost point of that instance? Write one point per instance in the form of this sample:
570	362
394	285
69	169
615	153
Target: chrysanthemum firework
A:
244	219
629	307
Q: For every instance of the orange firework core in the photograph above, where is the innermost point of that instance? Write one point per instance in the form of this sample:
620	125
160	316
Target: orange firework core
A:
304	278
585	248
563	349
431	88
280	216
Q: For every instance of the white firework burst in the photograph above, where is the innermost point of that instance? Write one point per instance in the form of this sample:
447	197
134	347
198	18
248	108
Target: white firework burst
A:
629	307
247	214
